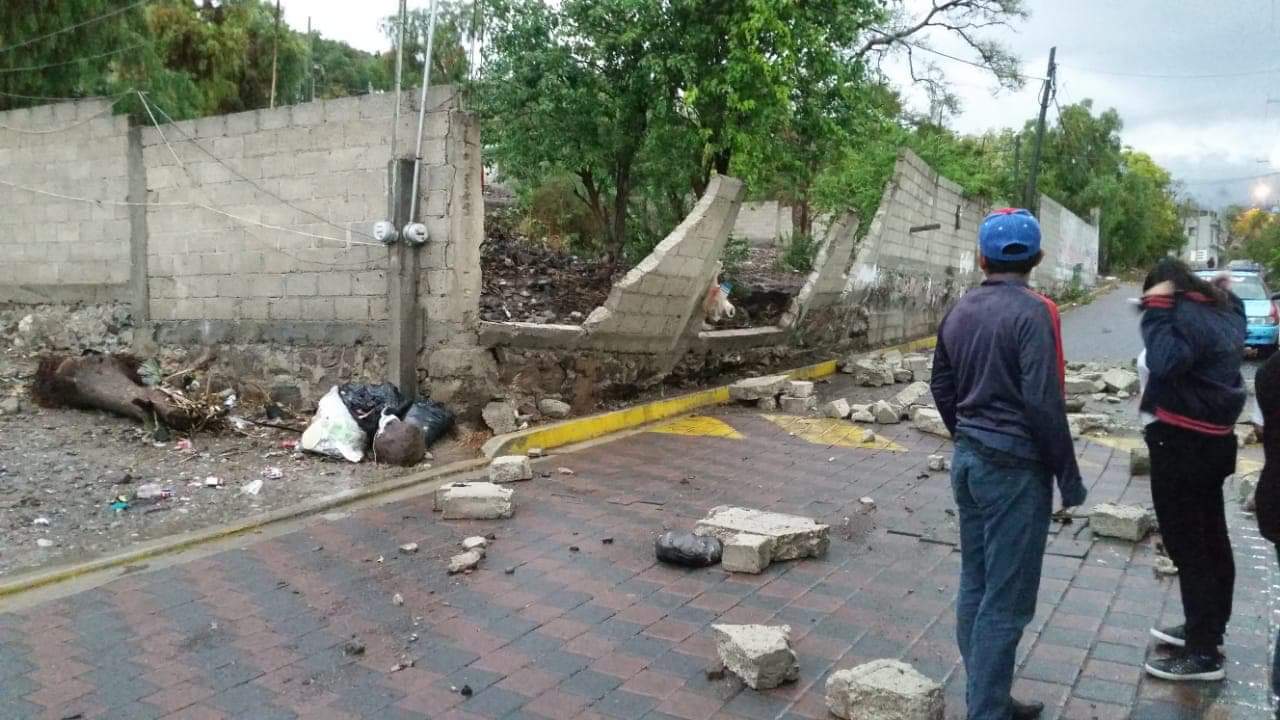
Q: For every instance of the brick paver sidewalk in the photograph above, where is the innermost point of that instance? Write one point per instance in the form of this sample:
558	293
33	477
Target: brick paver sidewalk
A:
588	626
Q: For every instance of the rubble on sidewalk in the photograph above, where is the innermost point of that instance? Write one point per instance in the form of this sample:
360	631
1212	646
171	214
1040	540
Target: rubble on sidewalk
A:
465	562
1246	490
500	416
1119	380
510	468
798	405
760	655
756	388
920	365
475	501
553	408
475	542
1164	566
869	373
1125	522
884	690
837	409
767	404
939	463
929	420
798	389
747	553
861	414
793	536
1139	461
1246	434
914	395
886	413
1084	385
1083	423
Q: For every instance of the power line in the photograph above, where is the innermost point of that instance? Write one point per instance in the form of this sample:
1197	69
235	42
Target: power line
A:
1171	76
46	66
1241	178
939	53
69	28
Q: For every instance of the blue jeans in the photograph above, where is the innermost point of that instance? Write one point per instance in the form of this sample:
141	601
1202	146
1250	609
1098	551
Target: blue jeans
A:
1004	503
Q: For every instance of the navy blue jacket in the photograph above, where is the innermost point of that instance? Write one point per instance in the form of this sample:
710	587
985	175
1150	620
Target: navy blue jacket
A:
999	373
1194	350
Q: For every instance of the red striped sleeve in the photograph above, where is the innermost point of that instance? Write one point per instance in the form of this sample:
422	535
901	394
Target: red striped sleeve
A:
1056	318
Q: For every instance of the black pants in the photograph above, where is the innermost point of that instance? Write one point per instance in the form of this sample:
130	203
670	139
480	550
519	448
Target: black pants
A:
1188	470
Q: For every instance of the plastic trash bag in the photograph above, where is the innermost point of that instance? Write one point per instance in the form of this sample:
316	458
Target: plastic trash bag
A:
398	442
366	402
433	418
334	432
685	548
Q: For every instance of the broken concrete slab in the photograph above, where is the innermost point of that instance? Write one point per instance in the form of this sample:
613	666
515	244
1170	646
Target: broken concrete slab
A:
929	420
892	358
510	468
1139	461
500	416
475	501
1126	522
798	405
869	373
759	654
884	690
798	389
886	413
1120	380
838	409
862	416
1080	385
747	553
464	561
476	542
553	408
921	366
1081	423
939	463
767	404
917	393
794	536
752	389
1246	434
902	375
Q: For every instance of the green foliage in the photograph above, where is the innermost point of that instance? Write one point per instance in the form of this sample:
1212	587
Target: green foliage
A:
736	252
1257	233
798	253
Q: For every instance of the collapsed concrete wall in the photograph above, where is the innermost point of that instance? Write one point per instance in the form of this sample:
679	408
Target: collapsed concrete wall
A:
1070	247
816	313
57	249
920	253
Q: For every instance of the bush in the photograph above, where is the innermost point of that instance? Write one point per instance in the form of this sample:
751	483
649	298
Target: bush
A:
736	250
798	253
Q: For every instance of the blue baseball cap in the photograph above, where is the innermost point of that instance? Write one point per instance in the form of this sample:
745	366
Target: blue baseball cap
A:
1009	235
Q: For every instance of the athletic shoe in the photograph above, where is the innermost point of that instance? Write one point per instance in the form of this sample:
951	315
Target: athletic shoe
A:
1175	636
1186	666
1026	710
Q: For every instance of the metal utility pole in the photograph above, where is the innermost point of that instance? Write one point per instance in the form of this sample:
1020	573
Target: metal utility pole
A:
275	55
1031	199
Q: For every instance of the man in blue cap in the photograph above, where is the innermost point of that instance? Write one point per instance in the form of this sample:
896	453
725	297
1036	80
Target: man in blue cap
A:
998	379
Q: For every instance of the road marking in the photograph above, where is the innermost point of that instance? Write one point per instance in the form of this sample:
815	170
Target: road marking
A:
834	433
699	426
1126	444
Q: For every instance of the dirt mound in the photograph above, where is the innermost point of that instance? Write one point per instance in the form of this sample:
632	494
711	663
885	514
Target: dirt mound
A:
528	281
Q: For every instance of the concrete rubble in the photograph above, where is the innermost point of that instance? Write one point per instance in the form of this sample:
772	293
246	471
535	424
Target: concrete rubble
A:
793	536
884	690
915	394
939	463
1126	522
553	408
475	542
861	414
798	389
1247	490
929	420
767	404
1083	385
464	562
759	654
500	416
1119	380
1246	434
869	372
886	413
747	553
475	501
510	468
838	409
798	405
1082	423
920	365
1139	461
752	389
902	375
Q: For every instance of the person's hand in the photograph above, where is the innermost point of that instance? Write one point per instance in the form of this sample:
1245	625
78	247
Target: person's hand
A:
1073	493
1160	288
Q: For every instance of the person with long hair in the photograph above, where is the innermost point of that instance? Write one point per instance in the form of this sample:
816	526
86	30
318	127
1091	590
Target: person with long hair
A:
1267	498
1194	333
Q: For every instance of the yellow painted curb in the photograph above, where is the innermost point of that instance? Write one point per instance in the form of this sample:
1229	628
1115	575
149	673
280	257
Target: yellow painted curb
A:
596	426
170	545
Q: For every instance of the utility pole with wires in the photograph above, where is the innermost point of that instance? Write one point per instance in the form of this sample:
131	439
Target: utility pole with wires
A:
275	55
1031	199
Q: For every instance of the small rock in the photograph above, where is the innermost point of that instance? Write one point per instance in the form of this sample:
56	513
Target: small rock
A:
1113	400
799	389
409	548
759	654
1123	395
510	468
1126	522
1120	380
868	501
798	405
939	463
1246	434
884	690
1075	404
44	543
747	553
476	542
466	691
500	416
41	522
838	409
929	420
10	406
565	471
886	413
397	600
536	452
902	375
861	416
510	571
1079	385
553	408
353	648
1164	566
464	561
574	548
1247	490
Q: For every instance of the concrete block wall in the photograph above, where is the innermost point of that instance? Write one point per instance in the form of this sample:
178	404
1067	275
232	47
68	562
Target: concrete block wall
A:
903	279
762	222
1067	242
651	308
826	283
57	250
305	184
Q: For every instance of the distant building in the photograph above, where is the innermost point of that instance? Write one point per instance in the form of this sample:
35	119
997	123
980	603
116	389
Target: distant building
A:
1204	238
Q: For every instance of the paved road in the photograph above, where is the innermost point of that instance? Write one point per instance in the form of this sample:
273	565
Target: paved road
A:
1105	330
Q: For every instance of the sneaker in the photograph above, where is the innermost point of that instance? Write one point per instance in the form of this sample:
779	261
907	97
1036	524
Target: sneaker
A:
1175	636
1026	710
1186	666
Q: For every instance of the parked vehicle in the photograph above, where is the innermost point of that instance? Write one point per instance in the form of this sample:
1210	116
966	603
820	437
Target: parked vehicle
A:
1263	331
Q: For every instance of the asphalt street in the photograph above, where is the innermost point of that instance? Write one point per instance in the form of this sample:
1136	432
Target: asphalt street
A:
1105	330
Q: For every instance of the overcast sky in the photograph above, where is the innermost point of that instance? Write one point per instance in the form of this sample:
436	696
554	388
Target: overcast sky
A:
1199	128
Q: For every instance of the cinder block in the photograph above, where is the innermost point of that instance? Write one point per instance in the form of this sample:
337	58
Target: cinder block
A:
301	284
351	308
285	308
333	283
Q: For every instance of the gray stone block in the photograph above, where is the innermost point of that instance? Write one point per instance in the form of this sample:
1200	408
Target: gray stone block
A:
510	468
838	409
793	536
747	553
751	389
798	405
759	654
884	690
1126	522
475	501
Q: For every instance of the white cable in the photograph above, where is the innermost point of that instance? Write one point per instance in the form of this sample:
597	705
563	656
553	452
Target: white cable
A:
69	28
108	109
73	61
147	106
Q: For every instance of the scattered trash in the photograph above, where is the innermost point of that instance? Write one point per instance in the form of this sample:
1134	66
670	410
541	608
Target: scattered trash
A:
289	444
367	402
408	548
686	549
273	473
466	691
433	418
252	488
119	504
152	491
606	541
398	442
397	600
334	431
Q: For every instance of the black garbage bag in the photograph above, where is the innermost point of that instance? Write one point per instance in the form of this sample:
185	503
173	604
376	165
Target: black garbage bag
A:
433	418
366	402
684	548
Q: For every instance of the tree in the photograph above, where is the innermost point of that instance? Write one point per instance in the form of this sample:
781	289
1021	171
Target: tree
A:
456	29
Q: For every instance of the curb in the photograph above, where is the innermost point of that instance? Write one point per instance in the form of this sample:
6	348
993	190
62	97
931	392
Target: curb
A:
591	427
177	543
